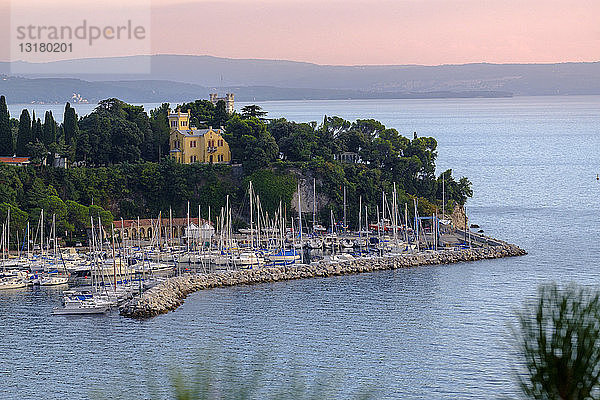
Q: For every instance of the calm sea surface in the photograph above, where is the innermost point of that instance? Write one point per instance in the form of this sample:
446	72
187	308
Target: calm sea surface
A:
426	333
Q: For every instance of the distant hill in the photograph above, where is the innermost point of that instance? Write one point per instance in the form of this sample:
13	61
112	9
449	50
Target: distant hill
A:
179	76
60	90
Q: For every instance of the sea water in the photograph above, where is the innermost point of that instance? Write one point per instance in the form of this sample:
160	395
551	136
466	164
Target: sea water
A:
435	332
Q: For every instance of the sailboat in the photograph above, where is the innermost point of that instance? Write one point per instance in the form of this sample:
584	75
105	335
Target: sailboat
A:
54	277
280	254
9	279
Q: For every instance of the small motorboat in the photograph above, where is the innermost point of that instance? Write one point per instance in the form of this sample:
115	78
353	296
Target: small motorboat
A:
81	305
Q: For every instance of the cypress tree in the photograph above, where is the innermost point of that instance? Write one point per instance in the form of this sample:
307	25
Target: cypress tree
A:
24	134
49	129
37	130
6	137
70	127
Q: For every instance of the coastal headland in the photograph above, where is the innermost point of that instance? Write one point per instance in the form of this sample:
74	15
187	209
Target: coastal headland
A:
170	294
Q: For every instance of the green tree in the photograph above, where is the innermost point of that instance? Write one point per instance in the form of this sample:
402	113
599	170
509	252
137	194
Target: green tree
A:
78	215
126	140
6	137
559	341
300	145
70	129
159	123
106	217
221	115
70	126
11	185
37	152
273	187
37	130
18	219
116	132
451	190
370	128
24	134
253	111
202	113
297	142
250	142
49	129
54	206
95	147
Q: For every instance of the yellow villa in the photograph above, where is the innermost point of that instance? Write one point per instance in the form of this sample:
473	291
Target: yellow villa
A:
189	144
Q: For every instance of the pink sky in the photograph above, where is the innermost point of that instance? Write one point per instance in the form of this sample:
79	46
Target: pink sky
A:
378	32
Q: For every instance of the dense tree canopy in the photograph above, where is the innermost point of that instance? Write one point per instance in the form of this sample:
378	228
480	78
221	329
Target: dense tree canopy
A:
24	134
253	110
118	132
250	142
6	137
121	164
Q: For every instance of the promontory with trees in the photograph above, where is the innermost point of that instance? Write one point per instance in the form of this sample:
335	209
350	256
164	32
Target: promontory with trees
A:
119	165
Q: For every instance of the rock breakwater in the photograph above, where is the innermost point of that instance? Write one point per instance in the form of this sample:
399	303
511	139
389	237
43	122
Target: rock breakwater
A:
170	294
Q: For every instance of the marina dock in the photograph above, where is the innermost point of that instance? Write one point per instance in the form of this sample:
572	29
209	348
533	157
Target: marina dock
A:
170	294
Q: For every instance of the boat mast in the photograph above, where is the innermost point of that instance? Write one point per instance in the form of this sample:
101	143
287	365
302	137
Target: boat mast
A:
8	230
114	256
91	241
314	203
258	227
251	217
378	226
367	226
3	247
188	227
300	224
199	241
28	252
443	196
125	251
416	223
359	215
345	223
170	236
54	247
100	229
435	238
406	222
395	216
332	231
42	233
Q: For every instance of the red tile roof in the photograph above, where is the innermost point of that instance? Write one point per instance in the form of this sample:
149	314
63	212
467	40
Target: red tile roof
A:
129	223
14	160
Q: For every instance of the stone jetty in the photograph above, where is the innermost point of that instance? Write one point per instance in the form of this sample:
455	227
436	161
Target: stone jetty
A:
170	294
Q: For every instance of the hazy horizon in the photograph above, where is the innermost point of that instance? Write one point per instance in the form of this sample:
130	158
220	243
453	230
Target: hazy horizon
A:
325	64
361	32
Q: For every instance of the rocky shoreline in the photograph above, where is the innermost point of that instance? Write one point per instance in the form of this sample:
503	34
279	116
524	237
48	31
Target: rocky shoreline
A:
170	294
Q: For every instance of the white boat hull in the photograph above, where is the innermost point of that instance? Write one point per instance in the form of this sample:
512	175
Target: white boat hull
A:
99	309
